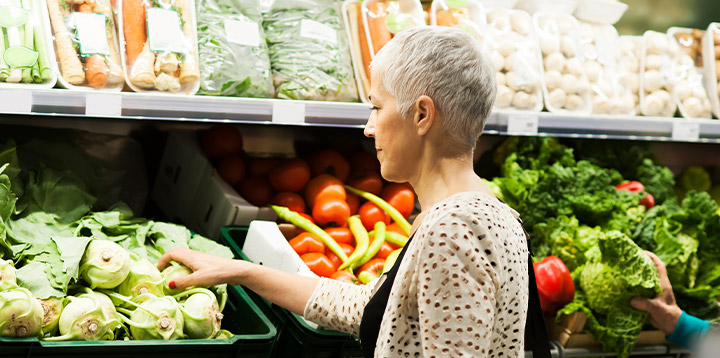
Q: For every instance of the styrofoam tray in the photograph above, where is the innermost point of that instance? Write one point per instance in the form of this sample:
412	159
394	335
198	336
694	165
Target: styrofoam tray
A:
531	41
117	88
43	20
710	78
187	88
352	32
587	109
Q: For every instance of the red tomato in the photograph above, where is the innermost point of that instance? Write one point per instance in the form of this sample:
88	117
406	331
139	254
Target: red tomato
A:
394	227
291	175
385	250
255	190
342	235
331	212
290	200
231	169
345	276
324	186
306	242
347	249
370	182
400	197
306	216
329	162
319	264
370	214
354	202
220	141
262	166
375	266
363	162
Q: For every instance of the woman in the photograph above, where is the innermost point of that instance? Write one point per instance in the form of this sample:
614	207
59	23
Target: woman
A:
460	288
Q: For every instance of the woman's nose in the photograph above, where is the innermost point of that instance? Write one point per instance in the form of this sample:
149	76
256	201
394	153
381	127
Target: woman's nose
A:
370	127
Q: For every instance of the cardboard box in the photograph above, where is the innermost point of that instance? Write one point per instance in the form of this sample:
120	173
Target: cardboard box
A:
569	333
189	189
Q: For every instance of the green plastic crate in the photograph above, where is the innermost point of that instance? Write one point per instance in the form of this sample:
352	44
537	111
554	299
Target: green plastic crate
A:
254	337
295	337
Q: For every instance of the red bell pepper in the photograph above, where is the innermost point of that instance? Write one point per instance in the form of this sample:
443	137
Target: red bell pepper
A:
554	283
637	187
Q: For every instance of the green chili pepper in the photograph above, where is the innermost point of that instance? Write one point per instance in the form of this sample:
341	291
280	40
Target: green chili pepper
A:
394	214
307	225
390	260
366	276
375	245
361	238
395	238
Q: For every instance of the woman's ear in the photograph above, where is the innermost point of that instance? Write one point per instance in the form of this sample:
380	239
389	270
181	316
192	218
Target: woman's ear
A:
425	114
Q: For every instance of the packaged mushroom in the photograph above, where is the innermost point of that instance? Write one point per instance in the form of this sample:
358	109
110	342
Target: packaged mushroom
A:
669	80
690	41
514	54
564	82
711	58
629	65
599	45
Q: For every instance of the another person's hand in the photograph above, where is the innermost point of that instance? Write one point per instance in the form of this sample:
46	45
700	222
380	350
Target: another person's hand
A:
208	270
664	311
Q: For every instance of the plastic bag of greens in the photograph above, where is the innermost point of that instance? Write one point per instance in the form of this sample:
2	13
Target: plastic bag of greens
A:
233	53
308	51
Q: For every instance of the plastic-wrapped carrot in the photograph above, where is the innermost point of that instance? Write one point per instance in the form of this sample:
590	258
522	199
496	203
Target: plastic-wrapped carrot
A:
70	65
379	33
133	12
96	71
445	18
394	213
115	76
189	70
364	48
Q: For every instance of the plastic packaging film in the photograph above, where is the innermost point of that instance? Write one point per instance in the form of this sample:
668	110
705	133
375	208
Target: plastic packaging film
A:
513	51
232	50
629	66
159	45
711	68
468	15
565	85
309	53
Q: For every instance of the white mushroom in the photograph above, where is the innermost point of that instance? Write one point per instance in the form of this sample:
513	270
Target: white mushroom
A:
554	62
552	80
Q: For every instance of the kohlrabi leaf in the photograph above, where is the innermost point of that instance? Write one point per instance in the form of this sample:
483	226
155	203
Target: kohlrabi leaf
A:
203	244
71	252
33	276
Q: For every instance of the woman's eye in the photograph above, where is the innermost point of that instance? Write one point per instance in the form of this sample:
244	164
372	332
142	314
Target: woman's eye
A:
374	108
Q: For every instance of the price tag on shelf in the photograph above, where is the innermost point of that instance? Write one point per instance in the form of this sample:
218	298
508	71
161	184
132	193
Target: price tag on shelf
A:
522	124
103	105
16	101
288	112
686	131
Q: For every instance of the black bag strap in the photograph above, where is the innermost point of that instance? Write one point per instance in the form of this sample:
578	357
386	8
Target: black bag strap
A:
536	336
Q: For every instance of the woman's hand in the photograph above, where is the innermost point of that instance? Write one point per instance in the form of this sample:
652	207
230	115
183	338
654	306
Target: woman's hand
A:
208	270
664	311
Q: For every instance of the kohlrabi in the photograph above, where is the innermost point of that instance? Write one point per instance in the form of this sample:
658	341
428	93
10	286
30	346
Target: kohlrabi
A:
90	316
154	318
201	313
21	315
105	264
52	308
8	277
172	271
144	278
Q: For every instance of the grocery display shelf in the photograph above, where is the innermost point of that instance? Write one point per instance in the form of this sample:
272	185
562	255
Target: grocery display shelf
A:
43	105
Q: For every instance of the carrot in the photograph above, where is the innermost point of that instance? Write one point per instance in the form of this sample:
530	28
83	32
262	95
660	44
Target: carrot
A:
364	48
445	18
133	13
115	76
379	34
96	71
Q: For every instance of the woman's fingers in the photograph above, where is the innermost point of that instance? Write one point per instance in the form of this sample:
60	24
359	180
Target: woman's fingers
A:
180	255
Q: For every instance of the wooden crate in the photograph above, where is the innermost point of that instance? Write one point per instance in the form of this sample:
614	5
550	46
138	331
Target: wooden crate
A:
569	333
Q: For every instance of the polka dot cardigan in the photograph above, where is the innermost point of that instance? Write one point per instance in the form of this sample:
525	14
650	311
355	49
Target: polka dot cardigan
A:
460	291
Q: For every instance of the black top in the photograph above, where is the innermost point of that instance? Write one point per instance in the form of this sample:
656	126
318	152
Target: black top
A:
375	308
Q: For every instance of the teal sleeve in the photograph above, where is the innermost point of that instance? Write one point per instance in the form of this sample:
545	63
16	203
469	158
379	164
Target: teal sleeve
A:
688	330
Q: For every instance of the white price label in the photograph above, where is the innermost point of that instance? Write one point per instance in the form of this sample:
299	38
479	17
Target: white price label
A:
288	112
521	124
242	32
164	33
103	105
317	31
92	33
16	101
686	131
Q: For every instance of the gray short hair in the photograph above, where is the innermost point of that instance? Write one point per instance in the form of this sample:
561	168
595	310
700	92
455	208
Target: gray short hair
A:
445	64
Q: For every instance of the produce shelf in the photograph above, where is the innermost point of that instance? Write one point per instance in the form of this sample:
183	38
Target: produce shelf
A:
48	103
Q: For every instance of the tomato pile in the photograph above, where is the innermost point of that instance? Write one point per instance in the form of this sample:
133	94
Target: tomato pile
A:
314	187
